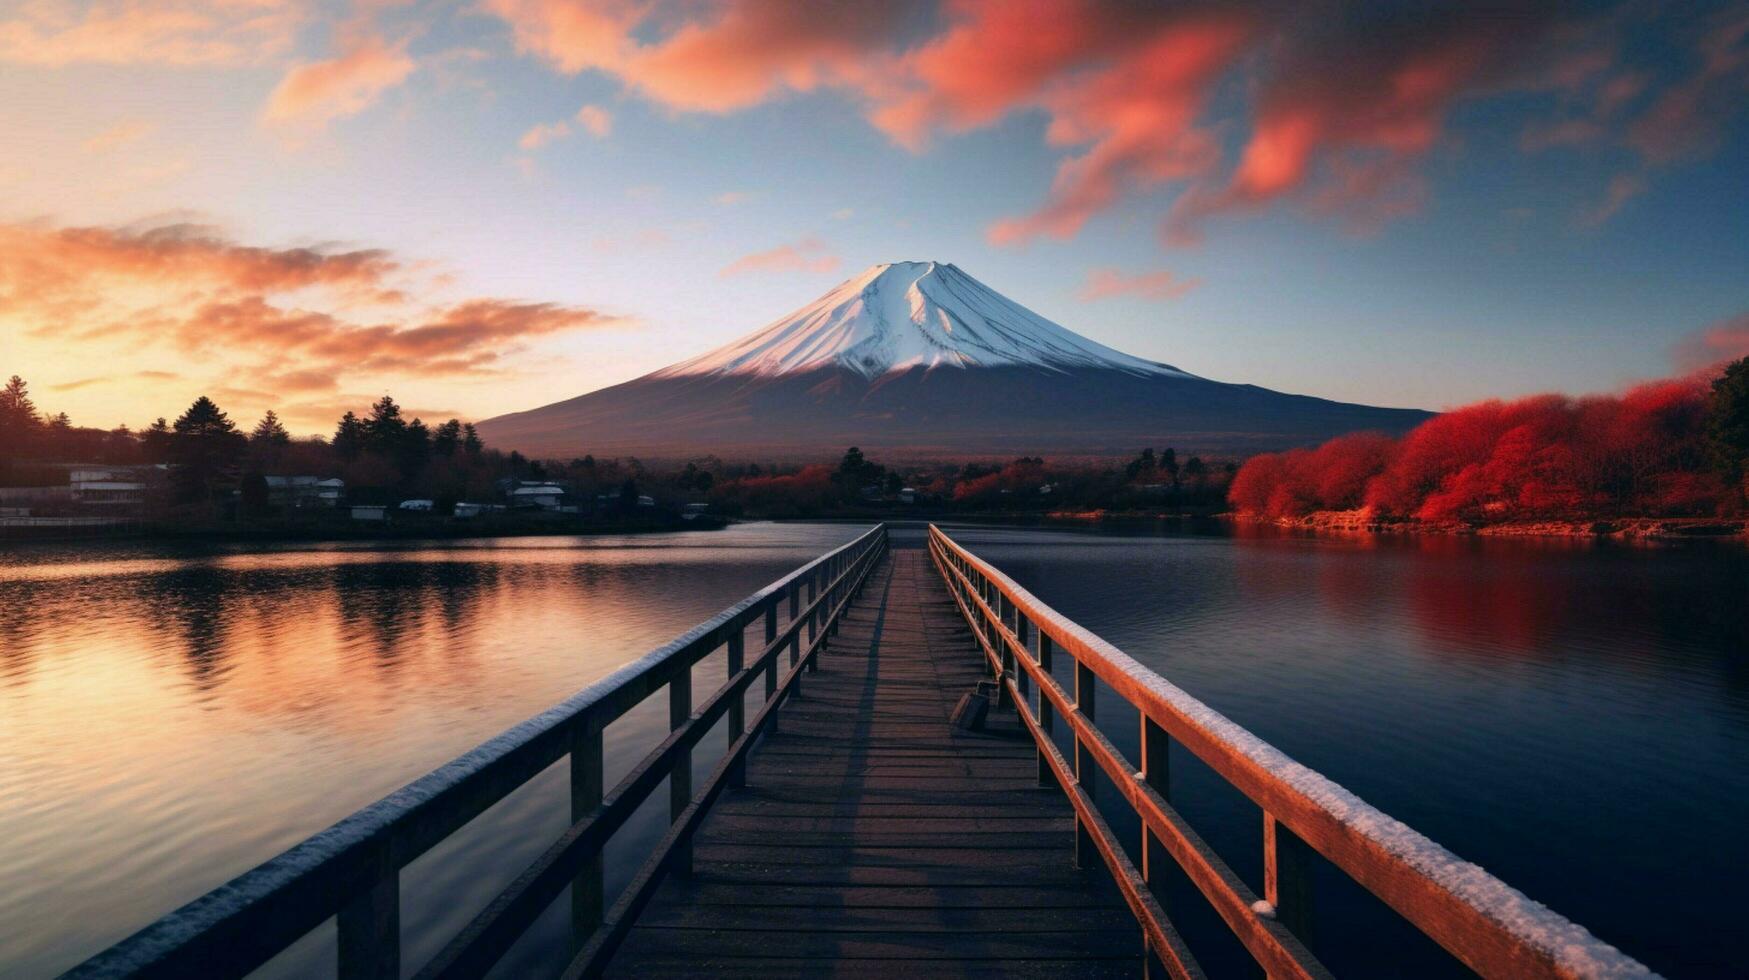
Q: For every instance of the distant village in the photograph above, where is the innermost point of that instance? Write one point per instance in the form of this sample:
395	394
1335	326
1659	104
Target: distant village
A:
383	473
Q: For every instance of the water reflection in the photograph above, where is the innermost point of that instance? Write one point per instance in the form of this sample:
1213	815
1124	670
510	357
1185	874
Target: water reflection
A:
171	717
1571	716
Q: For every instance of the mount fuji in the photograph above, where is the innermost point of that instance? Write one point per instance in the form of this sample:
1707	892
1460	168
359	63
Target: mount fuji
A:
919	359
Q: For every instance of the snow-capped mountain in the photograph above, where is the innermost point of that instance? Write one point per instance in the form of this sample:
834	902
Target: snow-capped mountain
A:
905	315
921	359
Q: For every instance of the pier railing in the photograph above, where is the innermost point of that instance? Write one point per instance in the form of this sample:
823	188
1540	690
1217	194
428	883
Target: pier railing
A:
1486	924
350	872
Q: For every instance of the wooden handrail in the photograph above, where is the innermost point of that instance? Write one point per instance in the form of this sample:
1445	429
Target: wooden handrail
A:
351	870
1489	926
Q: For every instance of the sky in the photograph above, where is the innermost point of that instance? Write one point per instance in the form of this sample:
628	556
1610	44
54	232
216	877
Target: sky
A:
482	206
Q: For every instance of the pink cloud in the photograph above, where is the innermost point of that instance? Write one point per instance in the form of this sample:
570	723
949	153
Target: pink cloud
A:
807	255
318	92
1622	189
596	121
182	33
1105	283
541	134
1688	116
1335	106
1714	346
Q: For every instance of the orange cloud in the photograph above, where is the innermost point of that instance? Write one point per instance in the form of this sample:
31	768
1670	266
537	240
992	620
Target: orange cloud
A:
53	33
1339	101
321	91
718	58
1105	283
807	255
541	134
117	136
189	290
595	120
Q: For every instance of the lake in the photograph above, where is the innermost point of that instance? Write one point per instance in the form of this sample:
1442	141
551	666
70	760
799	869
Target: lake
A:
1573	716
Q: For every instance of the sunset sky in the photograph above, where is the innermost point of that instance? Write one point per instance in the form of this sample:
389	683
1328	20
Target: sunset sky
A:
482	206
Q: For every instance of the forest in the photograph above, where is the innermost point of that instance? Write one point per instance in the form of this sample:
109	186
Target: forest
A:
1672	448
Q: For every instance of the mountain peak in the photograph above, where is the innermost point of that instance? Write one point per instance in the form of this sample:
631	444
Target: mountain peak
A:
901	315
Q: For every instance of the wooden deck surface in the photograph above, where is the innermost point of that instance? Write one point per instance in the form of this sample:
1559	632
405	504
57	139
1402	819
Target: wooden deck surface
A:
875	838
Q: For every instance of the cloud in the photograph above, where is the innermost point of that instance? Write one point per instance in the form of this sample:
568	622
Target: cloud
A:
192	292
541	134
719	58
1622	189
595	120
1714	346
181	33
1687	117
76	385
1105	283
1334	106
807	255
729	199
842	214
318	92
117	136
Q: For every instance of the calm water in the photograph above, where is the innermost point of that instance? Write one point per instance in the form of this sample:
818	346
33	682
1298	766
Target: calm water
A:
1573	717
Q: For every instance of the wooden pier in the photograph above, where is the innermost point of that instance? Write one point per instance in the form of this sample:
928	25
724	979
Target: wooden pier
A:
874	837
849	826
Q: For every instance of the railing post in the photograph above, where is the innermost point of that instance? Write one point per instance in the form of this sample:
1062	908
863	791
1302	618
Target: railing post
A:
737	705
814	615
1156	772
1287	878
680	777
1004	609
370	928
1086	855
1047	714
770	638
586	786
1023	633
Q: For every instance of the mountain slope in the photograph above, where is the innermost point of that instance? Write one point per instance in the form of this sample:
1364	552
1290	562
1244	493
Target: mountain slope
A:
919	358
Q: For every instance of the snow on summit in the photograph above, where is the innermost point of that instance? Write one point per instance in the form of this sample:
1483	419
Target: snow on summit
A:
902	315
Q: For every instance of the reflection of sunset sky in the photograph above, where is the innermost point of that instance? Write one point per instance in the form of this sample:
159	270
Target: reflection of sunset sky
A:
1530	704
167	723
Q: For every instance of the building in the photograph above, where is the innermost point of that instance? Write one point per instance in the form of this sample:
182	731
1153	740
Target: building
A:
369	512
108	486
304	491
546	496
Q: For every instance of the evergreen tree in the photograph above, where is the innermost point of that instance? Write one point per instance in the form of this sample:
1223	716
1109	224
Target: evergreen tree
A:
471	440
385	430
156	441
414	449
205	448
1727	425
269	432
19	421
348	437
16	408
446	438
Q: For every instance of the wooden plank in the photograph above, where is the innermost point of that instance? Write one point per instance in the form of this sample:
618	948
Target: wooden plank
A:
871	835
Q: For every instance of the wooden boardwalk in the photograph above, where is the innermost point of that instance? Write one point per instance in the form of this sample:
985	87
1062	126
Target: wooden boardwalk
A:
874	837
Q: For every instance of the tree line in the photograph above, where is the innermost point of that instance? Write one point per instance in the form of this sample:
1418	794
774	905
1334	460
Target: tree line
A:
1668	449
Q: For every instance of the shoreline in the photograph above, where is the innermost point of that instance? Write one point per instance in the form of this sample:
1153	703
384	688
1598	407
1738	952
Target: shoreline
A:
362	531
1611	528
